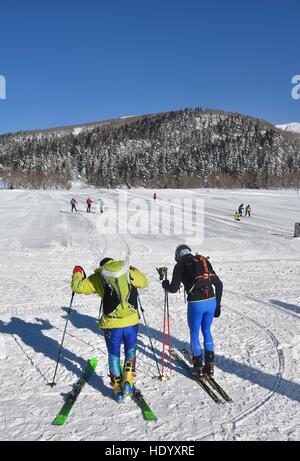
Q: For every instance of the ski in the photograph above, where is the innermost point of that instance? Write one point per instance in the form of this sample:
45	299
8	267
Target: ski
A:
62	417
146	410
138	397
210	379
201	382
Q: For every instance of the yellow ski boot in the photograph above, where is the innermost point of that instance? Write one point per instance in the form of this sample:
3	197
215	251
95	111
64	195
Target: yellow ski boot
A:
118	389
128	376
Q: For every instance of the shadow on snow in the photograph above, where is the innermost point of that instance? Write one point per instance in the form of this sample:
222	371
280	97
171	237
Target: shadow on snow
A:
31	334
288	307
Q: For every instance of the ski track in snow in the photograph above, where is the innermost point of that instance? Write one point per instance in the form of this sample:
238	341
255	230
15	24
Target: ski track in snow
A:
257	337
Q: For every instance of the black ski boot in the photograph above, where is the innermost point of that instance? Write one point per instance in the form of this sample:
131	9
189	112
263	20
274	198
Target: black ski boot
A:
198	367
209	363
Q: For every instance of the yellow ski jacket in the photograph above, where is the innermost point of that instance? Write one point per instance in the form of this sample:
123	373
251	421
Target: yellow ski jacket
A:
95	284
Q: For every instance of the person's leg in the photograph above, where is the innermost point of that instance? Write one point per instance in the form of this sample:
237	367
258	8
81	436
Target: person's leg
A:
113	339
207	320
130	343
195	314
130	340
209	308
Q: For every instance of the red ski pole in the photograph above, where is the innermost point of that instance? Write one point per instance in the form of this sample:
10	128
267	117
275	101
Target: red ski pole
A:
169	335
164	341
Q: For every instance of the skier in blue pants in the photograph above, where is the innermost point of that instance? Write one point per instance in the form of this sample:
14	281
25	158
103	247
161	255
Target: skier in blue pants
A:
204	290
116	283
241	209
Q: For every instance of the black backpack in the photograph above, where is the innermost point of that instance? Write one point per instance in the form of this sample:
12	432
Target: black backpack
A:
199	269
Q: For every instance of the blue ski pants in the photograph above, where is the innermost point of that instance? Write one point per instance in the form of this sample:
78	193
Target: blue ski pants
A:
114	339
200	316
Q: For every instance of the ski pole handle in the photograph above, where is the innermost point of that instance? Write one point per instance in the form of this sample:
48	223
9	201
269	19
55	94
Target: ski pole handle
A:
163	273
166	273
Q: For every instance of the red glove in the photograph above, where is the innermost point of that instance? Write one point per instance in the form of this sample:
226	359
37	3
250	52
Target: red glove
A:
80	270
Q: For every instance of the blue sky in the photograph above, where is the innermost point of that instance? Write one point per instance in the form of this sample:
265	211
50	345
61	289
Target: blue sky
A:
73	61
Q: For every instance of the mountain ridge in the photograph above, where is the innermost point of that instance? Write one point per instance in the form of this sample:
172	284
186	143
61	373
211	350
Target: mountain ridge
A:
293	127
119	121
187	148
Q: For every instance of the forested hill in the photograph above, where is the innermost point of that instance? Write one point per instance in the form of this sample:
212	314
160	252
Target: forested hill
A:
188	148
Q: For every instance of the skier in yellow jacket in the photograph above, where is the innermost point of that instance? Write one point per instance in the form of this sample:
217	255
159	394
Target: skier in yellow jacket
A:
248	210
116	284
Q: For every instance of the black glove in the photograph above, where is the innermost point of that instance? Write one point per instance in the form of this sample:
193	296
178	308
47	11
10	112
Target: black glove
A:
161	272
166	284
218	311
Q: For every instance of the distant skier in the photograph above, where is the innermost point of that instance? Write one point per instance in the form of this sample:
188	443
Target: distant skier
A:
73	204
101	205
89	205
241	209
116	283
248	210
204	302
237	216
155	196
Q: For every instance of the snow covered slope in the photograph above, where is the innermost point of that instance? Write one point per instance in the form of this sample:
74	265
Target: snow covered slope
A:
293	127
257	337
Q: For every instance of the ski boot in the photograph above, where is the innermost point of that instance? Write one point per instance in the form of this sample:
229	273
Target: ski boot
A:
209	363
128	375
118	389
198	367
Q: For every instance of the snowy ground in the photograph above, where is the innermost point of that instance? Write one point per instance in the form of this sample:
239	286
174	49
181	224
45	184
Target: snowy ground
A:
257	338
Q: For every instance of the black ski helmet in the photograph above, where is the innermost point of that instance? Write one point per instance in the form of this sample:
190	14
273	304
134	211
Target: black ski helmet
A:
181	251
104	261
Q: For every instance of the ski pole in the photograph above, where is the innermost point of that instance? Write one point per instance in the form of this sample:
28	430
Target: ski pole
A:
63	339
164	341
167	309
100	310
169	335
163	275
166	324
149	336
